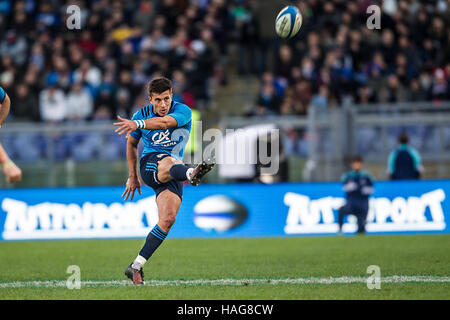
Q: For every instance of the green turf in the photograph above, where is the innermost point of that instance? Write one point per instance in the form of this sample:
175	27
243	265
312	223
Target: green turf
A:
261	258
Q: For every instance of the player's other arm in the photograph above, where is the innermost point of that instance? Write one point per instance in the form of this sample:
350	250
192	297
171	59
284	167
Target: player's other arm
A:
5	104
10	169
132	158
157	123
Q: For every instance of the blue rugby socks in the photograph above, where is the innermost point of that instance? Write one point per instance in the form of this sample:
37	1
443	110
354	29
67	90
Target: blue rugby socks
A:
153	241
180	172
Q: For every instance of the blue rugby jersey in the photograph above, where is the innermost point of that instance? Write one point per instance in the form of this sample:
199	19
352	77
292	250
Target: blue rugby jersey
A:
2	94
171	140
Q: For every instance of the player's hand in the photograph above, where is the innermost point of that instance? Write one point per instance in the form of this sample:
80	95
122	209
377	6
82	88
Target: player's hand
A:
13	173
350	186
125	126
131	186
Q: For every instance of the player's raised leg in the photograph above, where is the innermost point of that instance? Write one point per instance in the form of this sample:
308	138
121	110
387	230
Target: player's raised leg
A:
170	168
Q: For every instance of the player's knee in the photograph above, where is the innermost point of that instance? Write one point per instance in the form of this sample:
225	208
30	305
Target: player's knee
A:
169	219
166	163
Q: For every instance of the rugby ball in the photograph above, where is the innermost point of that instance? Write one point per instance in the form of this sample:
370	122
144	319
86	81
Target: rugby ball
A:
288	22
219	213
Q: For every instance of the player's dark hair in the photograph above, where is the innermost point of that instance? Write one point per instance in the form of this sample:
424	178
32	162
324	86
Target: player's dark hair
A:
403	138
159	85
356	158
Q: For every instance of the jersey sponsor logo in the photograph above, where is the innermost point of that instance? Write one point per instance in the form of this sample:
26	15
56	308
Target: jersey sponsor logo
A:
162	138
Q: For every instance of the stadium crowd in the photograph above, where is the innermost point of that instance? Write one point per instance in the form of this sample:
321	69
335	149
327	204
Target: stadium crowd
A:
54	74
57	75
337	59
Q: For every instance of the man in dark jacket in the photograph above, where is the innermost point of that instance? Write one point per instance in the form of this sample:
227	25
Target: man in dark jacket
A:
404	163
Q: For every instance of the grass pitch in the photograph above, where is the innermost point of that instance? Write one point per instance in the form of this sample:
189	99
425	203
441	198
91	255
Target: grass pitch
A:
412	267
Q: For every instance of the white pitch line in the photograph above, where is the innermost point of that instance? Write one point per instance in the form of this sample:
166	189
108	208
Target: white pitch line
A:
226	282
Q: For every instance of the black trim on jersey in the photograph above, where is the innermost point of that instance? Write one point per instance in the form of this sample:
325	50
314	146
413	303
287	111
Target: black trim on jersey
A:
145	111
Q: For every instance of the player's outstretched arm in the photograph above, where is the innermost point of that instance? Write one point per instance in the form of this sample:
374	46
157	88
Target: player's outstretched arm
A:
157	123
5	104
133	180
10	169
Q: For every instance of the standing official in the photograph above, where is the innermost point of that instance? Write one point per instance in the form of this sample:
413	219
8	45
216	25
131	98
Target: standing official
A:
404	163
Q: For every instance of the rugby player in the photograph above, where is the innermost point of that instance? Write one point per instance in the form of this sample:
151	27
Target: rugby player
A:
5	104
10	169
164	126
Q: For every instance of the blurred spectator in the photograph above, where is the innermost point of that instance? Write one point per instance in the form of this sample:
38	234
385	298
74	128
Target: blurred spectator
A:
393	92
7	75
37	57
302	96
52	104
124	106
25	104
404	163
416	92
88	74
285	62
47	16
365	95
105	98
320	100
268	100
246	26
144	15
60	74
181	92
439	88
87	43
265	11
79	103
14	45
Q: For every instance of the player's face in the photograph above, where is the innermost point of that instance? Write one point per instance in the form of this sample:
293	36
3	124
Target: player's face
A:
356	165
161	102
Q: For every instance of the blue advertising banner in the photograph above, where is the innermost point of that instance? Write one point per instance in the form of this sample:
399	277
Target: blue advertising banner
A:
237	210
